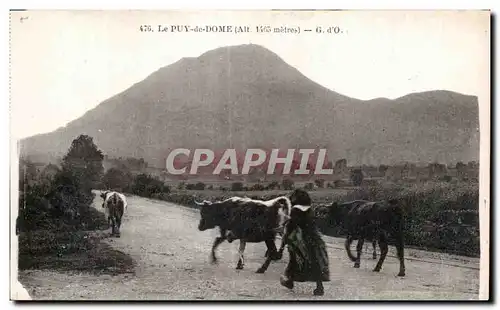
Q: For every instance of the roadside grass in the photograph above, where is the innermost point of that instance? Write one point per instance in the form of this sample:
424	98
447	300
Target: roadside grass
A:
77	250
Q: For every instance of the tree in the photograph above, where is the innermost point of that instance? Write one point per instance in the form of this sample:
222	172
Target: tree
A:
27	173
382	169
356	177
84	161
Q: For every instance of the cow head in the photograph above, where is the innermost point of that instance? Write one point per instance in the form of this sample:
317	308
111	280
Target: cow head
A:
103	196
336	213
300	197
209	215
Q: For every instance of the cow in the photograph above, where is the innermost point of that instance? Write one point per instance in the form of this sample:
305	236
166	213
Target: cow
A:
115	204
246	219
105	195
376	221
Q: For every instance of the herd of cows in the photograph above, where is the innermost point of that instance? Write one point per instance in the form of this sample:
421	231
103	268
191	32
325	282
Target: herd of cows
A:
254	221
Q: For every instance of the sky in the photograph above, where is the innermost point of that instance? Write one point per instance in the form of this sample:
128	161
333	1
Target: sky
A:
65	63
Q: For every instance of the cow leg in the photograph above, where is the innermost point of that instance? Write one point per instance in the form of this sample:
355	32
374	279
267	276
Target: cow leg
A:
240	252
273	252
271	247
113	226
374	245
384	248
401	254
118	225
217	242
359	249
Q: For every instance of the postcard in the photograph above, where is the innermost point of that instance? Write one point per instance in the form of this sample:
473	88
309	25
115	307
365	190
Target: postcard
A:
250	155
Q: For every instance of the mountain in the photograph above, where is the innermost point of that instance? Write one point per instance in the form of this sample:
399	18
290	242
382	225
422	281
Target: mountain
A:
247	96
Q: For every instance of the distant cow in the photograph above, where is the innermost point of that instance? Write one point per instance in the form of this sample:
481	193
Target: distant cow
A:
115	204
105	196
376	221
248	220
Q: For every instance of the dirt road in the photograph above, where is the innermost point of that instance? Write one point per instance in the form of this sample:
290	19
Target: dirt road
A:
173	263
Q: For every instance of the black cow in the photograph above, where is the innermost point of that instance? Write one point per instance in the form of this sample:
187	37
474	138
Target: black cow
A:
248	220
376	221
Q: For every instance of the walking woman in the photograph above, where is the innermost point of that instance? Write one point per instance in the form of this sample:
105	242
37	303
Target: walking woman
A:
307	250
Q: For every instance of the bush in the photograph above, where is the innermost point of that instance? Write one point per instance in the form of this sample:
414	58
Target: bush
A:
199	186
288	184
320	183
117	179
309	186
446	178
146	185
258	187
181	186
357	177
273	185
237	186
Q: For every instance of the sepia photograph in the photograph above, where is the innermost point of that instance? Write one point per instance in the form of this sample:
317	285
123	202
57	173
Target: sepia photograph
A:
272	155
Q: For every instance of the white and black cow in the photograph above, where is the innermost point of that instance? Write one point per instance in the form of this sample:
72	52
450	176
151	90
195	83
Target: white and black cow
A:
248	220
115	205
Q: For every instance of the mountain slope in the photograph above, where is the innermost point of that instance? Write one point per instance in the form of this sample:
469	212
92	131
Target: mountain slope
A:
247	96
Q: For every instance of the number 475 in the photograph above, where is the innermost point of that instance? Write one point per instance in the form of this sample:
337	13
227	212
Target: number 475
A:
146	28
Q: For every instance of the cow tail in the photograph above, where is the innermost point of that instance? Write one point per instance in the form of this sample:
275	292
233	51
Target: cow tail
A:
348	249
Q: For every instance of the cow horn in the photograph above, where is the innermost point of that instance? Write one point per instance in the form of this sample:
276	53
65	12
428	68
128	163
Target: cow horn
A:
200	203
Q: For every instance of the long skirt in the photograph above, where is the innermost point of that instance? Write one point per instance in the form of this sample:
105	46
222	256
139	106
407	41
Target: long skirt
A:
308	257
